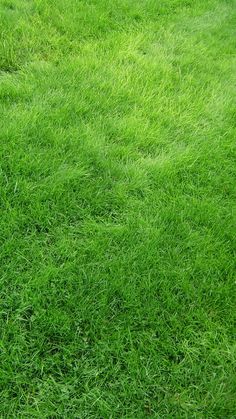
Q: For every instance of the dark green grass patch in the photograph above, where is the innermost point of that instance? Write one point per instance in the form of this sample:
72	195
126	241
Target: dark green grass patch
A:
117	197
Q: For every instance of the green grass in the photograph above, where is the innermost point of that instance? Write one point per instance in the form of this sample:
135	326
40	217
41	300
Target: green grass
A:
118	198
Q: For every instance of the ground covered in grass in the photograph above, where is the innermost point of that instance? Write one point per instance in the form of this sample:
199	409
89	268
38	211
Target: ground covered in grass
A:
118	174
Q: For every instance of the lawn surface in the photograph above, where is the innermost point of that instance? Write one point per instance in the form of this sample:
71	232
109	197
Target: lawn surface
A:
118	174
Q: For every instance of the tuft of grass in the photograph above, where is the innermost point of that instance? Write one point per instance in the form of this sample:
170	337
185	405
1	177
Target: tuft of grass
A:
117	163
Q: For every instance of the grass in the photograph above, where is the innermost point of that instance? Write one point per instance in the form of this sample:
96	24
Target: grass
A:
117	225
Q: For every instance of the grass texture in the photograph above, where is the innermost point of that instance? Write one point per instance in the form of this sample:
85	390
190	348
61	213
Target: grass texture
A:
118	198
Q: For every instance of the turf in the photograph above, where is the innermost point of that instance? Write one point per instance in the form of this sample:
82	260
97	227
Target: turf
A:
118	174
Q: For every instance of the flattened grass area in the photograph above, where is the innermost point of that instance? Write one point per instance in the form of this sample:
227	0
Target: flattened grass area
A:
118	184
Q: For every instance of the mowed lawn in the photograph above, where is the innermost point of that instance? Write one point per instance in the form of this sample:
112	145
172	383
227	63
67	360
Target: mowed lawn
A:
118	199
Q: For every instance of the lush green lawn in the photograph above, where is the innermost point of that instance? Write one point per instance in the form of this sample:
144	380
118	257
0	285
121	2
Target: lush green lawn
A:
118	193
